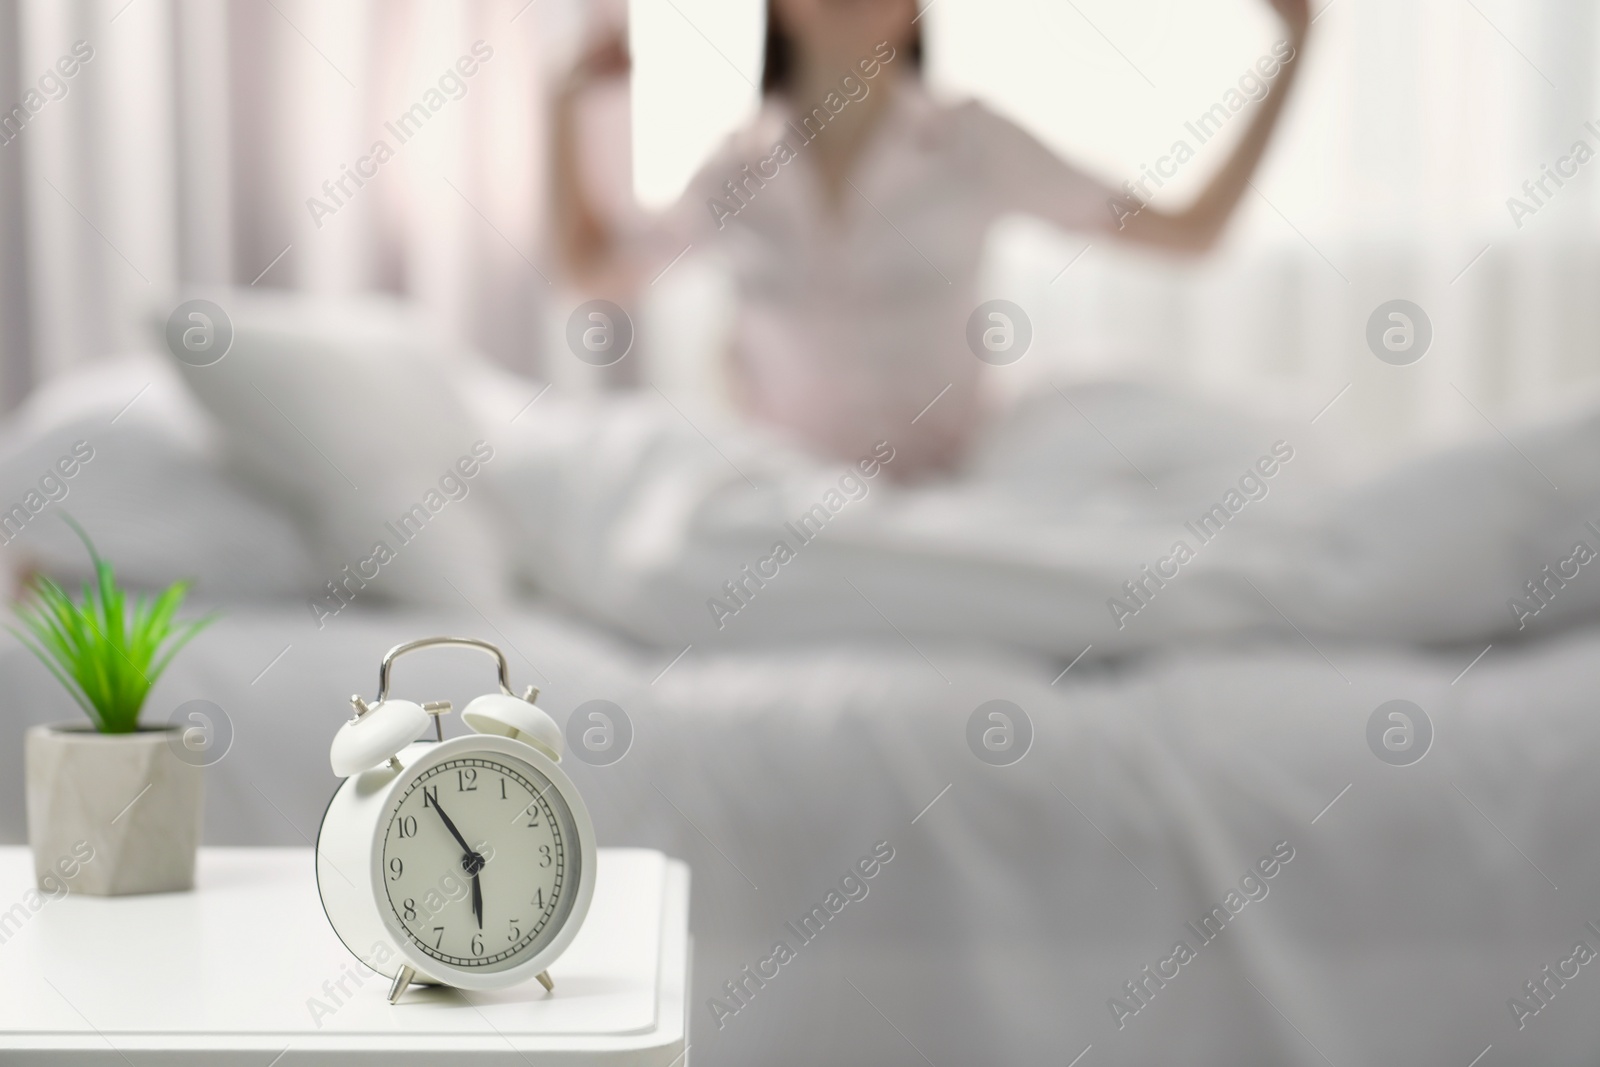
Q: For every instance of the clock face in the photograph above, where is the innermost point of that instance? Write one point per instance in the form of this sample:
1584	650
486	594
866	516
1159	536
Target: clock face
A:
480	861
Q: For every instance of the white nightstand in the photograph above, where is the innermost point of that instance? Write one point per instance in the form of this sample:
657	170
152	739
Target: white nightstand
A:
247	968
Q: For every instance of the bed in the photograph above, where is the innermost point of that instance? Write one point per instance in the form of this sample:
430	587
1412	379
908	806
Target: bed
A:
1027	912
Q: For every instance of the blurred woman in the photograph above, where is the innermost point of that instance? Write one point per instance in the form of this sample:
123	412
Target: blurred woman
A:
853	210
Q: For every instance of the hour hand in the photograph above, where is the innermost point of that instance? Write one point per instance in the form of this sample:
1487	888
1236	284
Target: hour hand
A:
477	900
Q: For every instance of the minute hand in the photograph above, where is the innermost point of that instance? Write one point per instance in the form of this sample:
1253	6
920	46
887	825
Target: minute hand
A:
448	825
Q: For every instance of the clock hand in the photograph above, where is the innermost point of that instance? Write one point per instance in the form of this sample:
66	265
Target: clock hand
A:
448	825
471	862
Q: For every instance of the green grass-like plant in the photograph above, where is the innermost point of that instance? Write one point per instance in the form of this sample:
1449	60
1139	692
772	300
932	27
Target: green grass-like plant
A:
105	651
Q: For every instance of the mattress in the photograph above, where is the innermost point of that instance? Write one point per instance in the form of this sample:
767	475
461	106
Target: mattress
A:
1033	911
1207	841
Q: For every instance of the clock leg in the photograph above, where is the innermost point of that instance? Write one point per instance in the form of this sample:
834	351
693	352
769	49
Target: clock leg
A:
544	980
401	980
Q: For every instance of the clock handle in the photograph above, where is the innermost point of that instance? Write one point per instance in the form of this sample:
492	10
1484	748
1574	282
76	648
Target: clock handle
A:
434	642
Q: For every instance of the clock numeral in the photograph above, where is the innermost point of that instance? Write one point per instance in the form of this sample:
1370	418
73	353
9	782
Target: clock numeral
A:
408	909
396	869
502	789
477	944
467	780
408	826
440	939
516	931
538	899
533	816
430	797
544	856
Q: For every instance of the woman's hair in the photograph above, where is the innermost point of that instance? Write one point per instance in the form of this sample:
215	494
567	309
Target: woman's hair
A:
777	70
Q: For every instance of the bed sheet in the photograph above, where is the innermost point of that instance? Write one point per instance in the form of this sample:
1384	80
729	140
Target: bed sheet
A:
1022	900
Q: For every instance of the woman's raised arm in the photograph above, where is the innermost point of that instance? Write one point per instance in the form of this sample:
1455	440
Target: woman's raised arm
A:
1197	228
590	250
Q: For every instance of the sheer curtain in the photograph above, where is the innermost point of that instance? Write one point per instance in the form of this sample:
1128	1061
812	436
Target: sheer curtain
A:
1413	124
190	144
187	148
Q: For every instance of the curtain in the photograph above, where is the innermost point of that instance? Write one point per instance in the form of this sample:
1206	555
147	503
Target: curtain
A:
187	150
1414	125
202	142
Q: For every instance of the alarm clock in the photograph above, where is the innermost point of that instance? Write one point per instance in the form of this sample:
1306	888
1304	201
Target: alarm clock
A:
467	862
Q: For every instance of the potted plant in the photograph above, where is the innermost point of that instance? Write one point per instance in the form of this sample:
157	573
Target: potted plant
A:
114	790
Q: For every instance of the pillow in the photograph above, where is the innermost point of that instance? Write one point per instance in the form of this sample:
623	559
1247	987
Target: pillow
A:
345	412
121	447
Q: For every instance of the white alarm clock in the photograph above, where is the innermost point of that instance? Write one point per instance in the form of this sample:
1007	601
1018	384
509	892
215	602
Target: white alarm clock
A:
468	862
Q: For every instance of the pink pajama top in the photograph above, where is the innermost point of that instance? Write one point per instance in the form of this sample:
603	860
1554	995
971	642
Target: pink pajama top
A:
849	323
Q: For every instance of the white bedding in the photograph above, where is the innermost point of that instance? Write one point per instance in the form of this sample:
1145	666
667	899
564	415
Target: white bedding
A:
1118	517
1222	721
1411	912
1115	516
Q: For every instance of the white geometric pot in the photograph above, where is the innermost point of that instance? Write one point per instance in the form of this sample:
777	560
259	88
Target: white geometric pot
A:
125	799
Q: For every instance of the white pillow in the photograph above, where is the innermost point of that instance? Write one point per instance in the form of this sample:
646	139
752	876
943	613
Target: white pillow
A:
121	447
345	411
